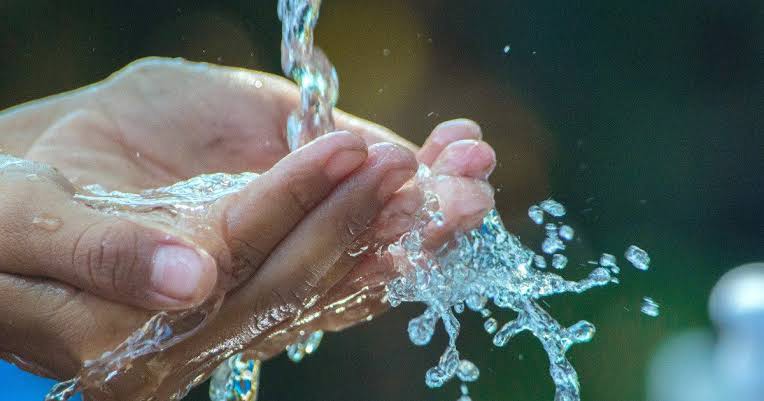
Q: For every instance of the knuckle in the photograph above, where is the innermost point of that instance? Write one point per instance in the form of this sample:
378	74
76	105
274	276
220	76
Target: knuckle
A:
106	257
352	226
302	194
144	65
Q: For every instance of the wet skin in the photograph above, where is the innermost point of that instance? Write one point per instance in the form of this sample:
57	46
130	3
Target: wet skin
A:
278	250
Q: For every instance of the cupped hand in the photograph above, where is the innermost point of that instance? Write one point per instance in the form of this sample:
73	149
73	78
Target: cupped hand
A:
279	247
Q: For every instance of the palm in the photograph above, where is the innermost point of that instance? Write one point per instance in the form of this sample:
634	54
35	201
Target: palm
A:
159	129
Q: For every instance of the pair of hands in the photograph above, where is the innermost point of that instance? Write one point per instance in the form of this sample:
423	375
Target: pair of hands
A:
78	285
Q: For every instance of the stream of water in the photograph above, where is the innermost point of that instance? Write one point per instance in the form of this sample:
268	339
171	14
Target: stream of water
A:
481	270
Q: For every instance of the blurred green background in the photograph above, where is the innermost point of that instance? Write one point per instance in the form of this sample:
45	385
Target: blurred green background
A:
644	118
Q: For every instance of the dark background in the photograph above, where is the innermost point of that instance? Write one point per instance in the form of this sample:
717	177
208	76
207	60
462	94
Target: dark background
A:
644	118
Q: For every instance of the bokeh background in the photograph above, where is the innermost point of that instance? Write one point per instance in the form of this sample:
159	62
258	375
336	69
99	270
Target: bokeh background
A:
644	118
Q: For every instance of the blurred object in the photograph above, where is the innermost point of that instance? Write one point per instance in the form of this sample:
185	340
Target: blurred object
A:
18	385
737	309
693	366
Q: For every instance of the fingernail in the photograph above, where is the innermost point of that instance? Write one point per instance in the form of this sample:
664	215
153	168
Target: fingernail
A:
178	272
469	158
461	128
344	163
394	179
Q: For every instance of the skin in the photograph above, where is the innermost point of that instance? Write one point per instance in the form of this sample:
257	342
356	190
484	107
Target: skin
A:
277	251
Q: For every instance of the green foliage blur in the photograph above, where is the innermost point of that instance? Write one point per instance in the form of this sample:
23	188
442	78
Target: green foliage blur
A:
644	118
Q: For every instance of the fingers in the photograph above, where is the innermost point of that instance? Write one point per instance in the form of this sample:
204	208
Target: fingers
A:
444	134
293	276
54	328
466	158
316	250
464	197
259	217
43	233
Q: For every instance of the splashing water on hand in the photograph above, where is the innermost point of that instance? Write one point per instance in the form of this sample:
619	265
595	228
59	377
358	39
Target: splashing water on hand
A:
487	265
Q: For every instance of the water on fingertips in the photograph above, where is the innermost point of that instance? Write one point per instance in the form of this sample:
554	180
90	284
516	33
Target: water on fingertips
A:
484	266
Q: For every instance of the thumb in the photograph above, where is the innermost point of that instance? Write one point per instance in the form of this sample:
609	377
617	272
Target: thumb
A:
44	233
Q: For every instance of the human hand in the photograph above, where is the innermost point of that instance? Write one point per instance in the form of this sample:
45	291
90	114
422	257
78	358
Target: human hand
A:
107	134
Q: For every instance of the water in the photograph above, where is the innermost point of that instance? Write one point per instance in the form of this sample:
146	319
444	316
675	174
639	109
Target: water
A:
481	269
566	233
484	265
297	351
236	379
638	257
539	261
536	214
650	307
609	261
553	207
47	222
317	80
559	261
309	67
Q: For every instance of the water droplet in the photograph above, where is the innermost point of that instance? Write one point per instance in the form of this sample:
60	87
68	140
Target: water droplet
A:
313	341
638	257
422	328
467	371
507	49
490	325
607	260
357	251
47	222
536	214
386	52
566	232
295	352
476	302
33	177
552	245
435	377
553	207
559	261
258	83
582	331
650	307
539	261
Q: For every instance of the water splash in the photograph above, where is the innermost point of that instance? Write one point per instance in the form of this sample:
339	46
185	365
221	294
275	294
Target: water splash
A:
638	257
236	379
194	193
297	351
485	265
162	331
650	307
482	266
309	67
317	80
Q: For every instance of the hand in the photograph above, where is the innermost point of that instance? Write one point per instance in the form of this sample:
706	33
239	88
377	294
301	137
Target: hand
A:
295	214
